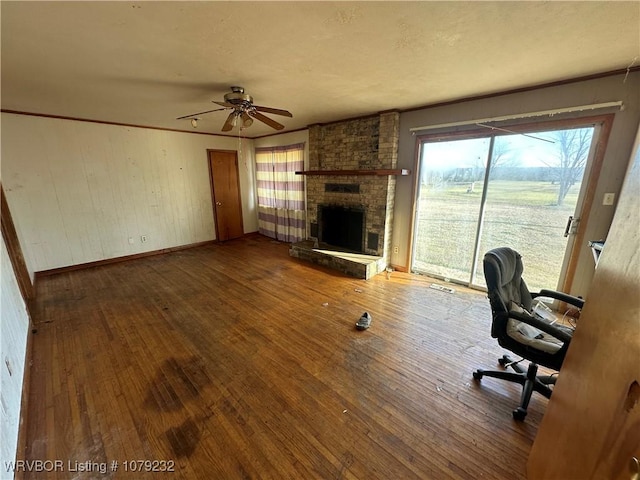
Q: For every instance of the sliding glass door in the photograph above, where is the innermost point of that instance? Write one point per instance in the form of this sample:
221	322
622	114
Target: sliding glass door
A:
509	189
448	208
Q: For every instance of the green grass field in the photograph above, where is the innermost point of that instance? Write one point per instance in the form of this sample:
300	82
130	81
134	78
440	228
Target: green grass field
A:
518	214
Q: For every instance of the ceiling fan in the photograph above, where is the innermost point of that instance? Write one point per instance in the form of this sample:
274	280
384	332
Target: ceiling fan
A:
242	107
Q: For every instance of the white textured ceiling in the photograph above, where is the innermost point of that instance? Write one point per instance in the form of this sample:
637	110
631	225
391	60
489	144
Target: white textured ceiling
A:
146	63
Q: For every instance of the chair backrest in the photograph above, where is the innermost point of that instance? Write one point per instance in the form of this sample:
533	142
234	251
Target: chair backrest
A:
503	274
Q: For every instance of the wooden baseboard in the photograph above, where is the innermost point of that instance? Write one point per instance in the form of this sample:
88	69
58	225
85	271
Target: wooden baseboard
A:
399	268
107	261
23	428
252	234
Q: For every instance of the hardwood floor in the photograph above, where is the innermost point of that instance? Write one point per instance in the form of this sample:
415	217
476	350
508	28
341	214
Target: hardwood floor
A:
236	361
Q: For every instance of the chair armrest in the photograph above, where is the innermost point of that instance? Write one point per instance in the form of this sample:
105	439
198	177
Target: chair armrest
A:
543	325
563	297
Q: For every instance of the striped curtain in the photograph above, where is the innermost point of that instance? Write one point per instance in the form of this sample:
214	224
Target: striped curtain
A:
281	207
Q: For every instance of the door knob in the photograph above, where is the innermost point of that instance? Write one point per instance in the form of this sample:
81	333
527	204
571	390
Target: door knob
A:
634	468
218	203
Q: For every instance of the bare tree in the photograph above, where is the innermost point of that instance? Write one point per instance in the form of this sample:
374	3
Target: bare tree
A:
573	150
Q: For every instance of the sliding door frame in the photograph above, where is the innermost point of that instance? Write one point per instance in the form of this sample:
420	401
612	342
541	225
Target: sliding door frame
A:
602	124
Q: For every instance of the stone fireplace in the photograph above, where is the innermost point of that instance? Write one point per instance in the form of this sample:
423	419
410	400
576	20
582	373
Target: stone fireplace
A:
351	182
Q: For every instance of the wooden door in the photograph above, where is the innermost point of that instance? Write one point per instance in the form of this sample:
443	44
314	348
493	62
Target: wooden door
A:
591	429
15	251
225	193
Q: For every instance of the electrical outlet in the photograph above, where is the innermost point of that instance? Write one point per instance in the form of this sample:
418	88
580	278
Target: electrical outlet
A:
608	198
143	238
131	241
396	249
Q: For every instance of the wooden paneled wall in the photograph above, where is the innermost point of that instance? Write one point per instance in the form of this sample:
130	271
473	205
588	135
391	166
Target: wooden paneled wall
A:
14	328
82	192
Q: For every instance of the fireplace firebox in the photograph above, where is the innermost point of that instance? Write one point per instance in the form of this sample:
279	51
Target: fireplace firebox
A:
342	227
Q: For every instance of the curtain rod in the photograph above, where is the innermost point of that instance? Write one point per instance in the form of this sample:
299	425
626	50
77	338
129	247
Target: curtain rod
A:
557	111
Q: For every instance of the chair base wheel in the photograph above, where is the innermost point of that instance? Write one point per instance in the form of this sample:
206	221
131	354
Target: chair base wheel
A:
503	361
519	414
477	375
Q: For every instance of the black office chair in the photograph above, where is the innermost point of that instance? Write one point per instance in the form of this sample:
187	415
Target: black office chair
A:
520	330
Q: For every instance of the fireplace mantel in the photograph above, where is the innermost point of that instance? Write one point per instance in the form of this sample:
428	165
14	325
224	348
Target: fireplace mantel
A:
380	172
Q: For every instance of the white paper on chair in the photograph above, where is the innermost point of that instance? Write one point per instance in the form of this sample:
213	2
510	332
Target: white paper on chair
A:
524	333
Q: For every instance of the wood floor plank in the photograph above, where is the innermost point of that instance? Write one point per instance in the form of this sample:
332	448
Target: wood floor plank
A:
235	360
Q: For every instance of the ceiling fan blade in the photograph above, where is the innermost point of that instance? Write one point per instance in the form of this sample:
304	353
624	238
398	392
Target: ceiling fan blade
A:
231	122
267	120
224	104
200	113
275	111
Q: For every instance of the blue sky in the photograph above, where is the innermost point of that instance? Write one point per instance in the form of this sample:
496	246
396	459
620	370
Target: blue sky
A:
525	151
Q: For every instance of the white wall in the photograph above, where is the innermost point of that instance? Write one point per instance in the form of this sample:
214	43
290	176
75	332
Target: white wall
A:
621	87
14	328
79	190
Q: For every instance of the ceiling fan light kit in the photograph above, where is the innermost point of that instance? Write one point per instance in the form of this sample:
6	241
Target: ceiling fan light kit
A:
241	105
247	121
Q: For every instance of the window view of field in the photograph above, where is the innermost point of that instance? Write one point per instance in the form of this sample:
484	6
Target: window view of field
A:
536	230
532	190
